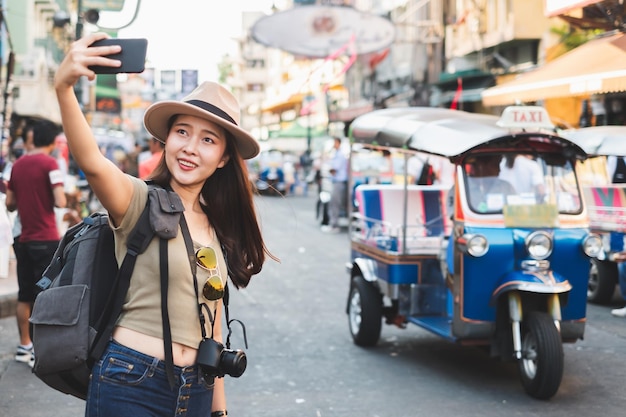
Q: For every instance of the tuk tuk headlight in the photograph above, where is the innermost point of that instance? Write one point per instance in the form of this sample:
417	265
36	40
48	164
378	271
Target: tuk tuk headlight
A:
539	245
592	245
474	245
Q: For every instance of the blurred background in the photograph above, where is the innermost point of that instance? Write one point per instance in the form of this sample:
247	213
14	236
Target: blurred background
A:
304	69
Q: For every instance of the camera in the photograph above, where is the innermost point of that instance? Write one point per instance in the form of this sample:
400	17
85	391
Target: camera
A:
215	360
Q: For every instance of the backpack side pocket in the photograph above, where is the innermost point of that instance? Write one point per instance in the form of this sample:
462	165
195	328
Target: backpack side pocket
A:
60	322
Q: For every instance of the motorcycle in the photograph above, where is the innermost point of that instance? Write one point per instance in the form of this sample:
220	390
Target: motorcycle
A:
493	260
271	182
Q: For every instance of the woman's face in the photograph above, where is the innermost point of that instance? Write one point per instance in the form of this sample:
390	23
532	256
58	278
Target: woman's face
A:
194	149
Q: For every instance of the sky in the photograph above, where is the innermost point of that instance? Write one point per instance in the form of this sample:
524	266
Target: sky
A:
185	34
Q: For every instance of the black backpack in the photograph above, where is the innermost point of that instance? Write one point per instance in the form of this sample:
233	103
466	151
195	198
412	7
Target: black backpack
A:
83	292
427	176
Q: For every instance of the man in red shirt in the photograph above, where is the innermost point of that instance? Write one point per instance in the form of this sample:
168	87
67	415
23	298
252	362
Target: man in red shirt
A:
35	188
146	167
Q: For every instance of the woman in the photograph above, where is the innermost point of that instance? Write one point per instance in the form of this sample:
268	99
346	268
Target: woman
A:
203	163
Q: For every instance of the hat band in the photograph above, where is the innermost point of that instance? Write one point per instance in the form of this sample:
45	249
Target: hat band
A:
212	109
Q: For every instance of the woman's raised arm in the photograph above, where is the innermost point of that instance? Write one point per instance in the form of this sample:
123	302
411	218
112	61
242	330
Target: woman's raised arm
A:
109	183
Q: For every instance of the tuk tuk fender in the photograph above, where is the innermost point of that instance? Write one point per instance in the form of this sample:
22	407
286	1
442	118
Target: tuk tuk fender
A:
537	282
367	269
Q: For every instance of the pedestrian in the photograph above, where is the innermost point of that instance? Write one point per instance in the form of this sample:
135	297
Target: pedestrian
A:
339	192
524	174
204	164
35	188
156	152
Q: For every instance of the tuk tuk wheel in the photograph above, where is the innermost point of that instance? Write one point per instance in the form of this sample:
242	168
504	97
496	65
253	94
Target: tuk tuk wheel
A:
365	312
541	366
602	281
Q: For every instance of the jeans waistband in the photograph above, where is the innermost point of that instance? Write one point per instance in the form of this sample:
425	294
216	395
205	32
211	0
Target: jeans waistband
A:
148	360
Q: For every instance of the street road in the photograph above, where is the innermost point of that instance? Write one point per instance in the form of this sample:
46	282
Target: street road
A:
302	362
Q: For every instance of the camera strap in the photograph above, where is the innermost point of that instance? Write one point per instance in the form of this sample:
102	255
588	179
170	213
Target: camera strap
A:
192	261
226	300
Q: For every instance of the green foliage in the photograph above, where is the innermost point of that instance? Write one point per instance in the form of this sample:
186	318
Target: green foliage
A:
571	38
224	69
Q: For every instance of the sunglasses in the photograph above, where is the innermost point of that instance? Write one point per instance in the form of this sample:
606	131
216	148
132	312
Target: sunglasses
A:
213	288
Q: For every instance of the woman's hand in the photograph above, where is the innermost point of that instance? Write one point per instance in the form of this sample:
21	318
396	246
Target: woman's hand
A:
81	56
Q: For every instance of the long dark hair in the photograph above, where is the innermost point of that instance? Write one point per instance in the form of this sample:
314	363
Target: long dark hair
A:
227	200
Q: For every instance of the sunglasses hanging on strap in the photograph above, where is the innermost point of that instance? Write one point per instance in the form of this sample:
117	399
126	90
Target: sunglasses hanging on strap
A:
213	289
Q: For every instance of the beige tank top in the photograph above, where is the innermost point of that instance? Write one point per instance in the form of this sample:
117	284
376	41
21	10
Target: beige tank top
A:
142	309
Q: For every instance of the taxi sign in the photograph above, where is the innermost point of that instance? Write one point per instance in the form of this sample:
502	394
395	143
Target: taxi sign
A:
525	117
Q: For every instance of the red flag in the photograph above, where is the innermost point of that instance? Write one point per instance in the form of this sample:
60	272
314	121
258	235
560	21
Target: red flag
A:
457	96
378	58
351	48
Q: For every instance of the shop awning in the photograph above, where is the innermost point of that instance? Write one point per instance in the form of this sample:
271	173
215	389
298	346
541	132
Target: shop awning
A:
291	103
598	66
297	130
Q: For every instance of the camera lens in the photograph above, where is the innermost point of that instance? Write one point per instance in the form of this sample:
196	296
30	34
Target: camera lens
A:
233	362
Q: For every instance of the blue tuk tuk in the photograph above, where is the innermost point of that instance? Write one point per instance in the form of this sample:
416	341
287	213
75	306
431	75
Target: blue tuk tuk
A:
604	189
496	255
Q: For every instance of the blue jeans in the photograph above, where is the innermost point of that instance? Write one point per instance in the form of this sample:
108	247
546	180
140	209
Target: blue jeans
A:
125	382
621	268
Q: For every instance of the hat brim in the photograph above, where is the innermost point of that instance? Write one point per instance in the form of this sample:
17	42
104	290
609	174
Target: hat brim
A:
158	115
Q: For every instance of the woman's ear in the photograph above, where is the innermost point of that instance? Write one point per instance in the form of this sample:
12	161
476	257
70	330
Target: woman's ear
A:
224	161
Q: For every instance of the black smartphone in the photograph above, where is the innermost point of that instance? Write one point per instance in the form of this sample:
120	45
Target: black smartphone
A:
133	56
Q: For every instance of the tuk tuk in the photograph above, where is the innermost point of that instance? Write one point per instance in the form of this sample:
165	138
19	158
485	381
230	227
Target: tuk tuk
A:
491	260
605	195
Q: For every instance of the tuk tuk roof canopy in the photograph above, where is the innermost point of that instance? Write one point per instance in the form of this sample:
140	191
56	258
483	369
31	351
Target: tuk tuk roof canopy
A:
599	140
439	131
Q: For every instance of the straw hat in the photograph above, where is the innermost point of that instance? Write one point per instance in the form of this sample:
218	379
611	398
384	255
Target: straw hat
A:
209	101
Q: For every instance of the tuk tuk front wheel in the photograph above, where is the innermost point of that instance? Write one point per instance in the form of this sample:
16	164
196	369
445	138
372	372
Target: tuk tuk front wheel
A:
365	312
541	366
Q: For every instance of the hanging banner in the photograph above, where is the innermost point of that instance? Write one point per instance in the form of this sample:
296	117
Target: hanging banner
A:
188	81
168	81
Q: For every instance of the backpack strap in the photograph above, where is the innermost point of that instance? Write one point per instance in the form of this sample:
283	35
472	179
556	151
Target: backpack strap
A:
165	318
166	210
162	209
137	242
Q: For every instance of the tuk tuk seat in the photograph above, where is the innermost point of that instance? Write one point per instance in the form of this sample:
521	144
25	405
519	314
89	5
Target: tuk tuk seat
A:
607	207
381	217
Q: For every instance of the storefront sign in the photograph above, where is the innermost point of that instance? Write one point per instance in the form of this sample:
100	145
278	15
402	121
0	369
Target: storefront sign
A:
320	31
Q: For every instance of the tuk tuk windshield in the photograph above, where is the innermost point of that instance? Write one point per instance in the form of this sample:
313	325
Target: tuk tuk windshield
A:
496	181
